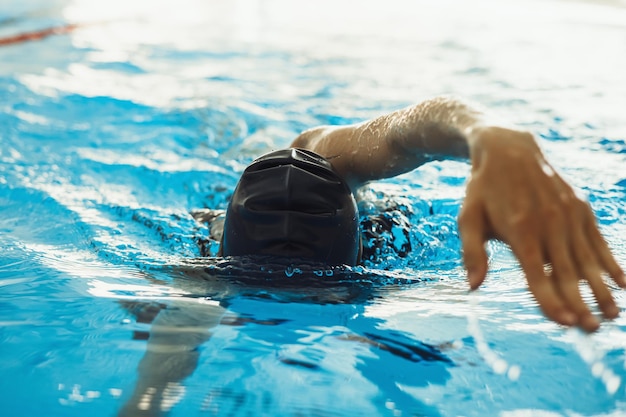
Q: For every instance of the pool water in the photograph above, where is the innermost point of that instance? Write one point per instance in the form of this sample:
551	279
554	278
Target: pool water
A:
111	134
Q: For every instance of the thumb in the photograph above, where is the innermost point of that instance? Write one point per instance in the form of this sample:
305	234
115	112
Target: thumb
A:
472	230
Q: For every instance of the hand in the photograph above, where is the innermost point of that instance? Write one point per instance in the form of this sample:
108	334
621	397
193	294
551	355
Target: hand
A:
514	195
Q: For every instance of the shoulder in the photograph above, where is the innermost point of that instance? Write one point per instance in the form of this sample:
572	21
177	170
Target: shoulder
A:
339	145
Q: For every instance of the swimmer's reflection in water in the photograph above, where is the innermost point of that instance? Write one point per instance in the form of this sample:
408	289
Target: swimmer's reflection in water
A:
274	320
299	203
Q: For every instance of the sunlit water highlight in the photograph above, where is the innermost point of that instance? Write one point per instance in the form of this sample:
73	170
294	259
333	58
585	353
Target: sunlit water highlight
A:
111	134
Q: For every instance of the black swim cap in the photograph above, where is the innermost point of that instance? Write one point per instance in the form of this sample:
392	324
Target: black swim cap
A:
292	203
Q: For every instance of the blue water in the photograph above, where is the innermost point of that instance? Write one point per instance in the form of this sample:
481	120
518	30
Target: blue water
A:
112	134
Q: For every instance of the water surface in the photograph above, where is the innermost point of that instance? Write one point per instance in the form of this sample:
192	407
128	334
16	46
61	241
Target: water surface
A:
110	135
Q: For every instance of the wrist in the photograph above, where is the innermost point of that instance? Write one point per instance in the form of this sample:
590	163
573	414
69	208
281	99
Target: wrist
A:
505	142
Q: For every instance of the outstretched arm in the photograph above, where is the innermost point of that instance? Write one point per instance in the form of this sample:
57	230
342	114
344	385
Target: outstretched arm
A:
513	195
395	143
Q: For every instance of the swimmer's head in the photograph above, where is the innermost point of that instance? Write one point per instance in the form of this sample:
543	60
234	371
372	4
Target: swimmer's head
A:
292	203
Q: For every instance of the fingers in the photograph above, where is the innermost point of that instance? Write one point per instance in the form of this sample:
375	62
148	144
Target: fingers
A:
472	230
575	251
590	270
542	286
606	259
565	274
566	286
603	296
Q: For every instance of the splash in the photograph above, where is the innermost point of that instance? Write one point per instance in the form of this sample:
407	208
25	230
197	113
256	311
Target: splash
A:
594	358
491	358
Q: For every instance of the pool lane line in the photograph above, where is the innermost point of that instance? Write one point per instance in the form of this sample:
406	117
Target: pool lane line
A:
38	34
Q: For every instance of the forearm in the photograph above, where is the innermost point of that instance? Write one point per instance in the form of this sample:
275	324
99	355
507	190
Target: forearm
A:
436	128
400	141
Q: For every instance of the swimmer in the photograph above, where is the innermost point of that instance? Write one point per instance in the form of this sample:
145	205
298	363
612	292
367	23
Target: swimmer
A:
298	202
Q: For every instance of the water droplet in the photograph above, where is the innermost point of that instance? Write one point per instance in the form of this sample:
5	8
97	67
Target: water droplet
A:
115	392
500	366
597	369
612	384
514	373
